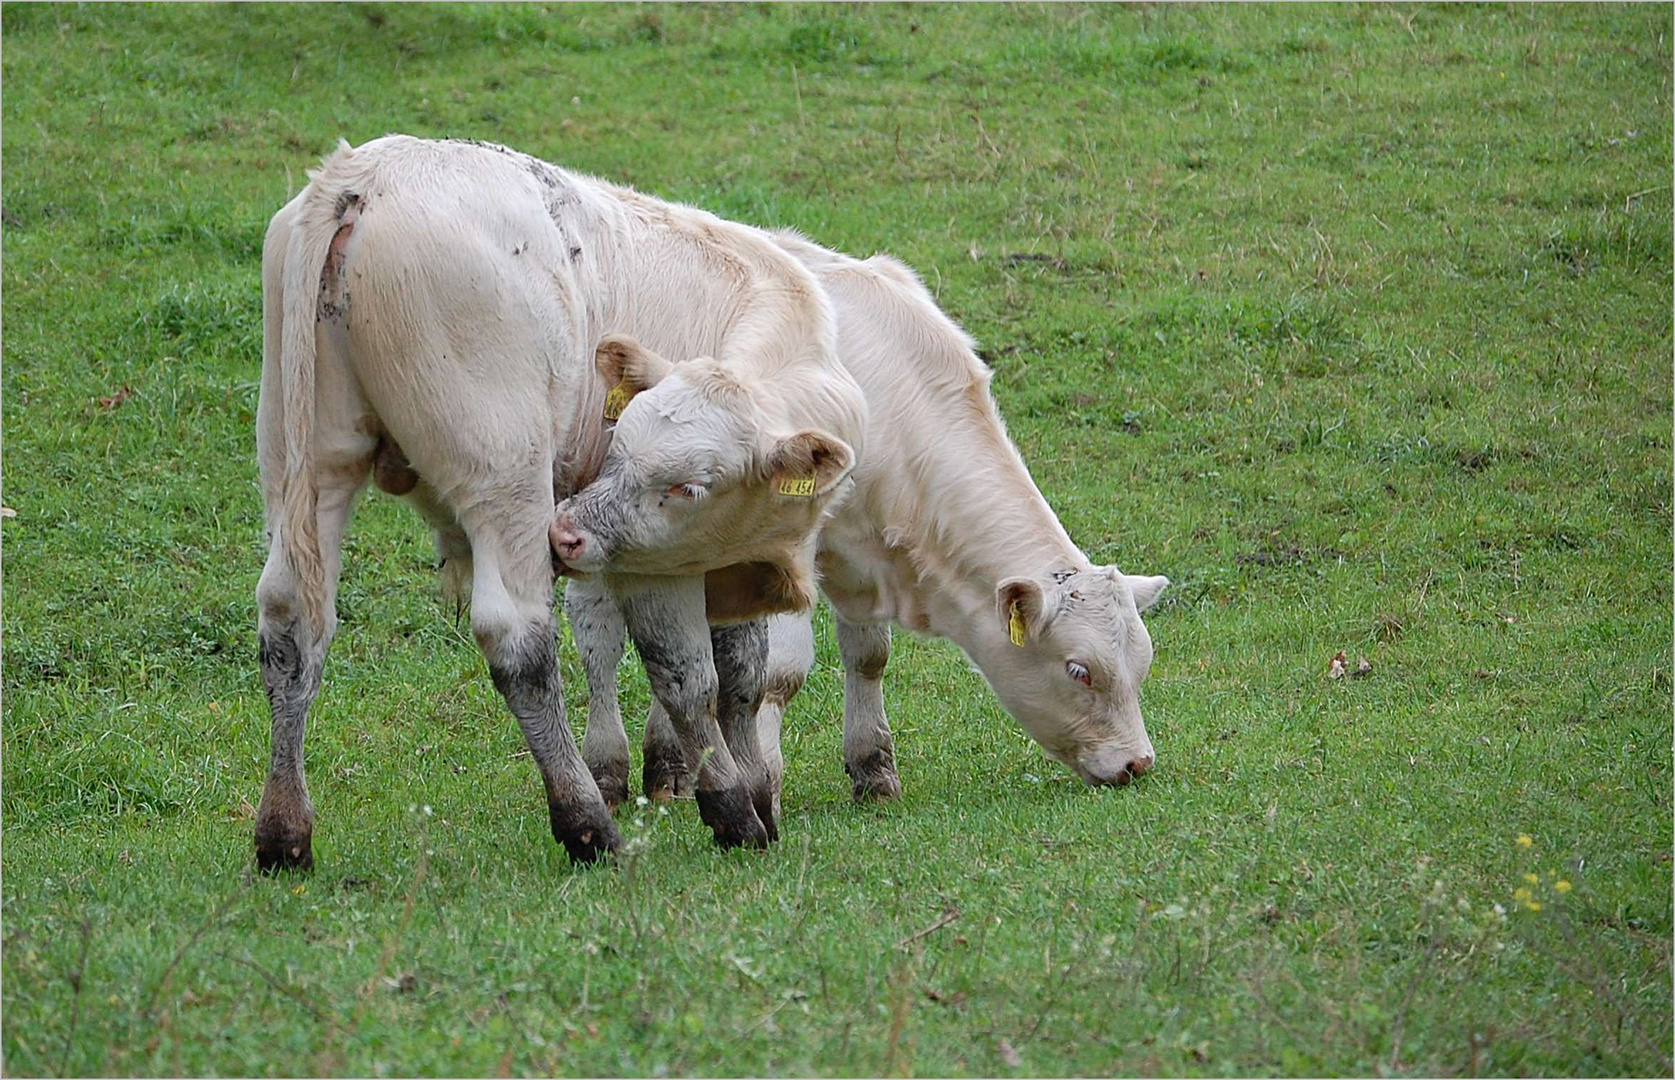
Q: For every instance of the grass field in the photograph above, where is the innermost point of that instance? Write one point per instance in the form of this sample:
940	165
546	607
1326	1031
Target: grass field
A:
1354	321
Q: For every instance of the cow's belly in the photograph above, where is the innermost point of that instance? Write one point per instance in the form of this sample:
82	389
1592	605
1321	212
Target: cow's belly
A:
867	581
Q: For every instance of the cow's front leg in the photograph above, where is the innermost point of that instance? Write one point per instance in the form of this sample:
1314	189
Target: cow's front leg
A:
740	700
596	623
668	623
511	618
741	662
869	752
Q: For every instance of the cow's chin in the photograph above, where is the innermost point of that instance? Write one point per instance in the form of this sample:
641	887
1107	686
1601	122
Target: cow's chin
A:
1110	765
589	562
1114	765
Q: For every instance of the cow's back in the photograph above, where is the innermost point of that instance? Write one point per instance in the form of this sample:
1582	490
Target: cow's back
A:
463	303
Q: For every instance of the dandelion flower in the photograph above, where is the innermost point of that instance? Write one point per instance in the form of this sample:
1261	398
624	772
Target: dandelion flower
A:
1562	885
1524	840
1522	895
1533	905
1533	879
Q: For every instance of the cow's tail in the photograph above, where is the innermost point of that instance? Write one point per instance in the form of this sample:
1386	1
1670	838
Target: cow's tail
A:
306	252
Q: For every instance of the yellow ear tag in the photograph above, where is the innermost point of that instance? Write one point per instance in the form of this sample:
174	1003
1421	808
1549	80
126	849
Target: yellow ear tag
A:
800	486
617	400
1016	627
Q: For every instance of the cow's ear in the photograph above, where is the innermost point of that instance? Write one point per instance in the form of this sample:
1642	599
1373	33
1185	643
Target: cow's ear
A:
1022	609
1146	589
809	463
620	360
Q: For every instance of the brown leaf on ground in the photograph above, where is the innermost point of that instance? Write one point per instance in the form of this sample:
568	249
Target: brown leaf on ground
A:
112	401
1336	669
1363	667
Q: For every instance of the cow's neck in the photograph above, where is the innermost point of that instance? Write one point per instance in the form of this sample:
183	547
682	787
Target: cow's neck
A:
654	288
959	569
941	517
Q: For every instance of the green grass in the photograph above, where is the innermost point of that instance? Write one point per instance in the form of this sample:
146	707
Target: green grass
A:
1355	321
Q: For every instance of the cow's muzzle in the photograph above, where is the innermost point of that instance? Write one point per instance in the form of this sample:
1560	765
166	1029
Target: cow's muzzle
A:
1108	771
570	545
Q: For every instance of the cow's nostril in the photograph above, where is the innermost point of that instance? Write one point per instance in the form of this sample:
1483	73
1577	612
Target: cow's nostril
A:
565	540
1139	766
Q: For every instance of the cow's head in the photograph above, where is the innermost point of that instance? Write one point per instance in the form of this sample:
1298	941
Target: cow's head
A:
1073	657
696	477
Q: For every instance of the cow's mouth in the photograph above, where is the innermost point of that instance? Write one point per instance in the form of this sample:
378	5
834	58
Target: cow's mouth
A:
573	550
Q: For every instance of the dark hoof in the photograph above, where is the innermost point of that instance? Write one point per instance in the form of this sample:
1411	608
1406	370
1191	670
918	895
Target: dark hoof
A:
665	777
732	816
612	779
875	779
762	799
282	847
587	833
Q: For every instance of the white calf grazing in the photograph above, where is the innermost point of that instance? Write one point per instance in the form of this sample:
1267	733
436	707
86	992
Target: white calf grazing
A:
434	313
945	534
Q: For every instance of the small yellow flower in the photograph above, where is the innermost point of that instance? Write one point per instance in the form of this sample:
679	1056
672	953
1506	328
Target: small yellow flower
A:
1533	879
299	890
1522	895
1524	840
1533	905
1562	885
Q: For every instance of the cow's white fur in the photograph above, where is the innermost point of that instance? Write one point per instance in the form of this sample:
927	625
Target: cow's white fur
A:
944	530
945	515
449	297
483	328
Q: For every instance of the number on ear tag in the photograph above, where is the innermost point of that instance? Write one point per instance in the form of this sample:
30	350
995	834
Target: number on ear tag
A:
617	400
1016	627
800	486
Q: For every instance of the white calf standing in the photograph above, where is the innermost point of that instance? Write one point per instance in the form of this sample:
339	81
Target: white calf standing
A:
946	534
432	313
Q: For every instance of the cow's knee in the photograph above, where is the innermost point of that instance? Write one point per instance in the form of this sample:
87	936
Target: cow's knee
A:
684	682
865	649
687	694
741	662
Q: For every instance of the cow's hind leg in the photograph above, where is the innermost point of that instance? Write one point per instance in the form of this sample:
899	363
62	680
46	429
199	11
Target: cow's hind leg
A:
512	620
670	628
665	772
790	655
292	653
869	751
596	623
453	546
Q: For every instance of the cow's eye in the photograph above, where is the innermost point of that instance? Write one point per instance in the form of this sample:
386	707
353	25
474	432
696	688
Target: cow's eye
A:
1078	671
687	491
